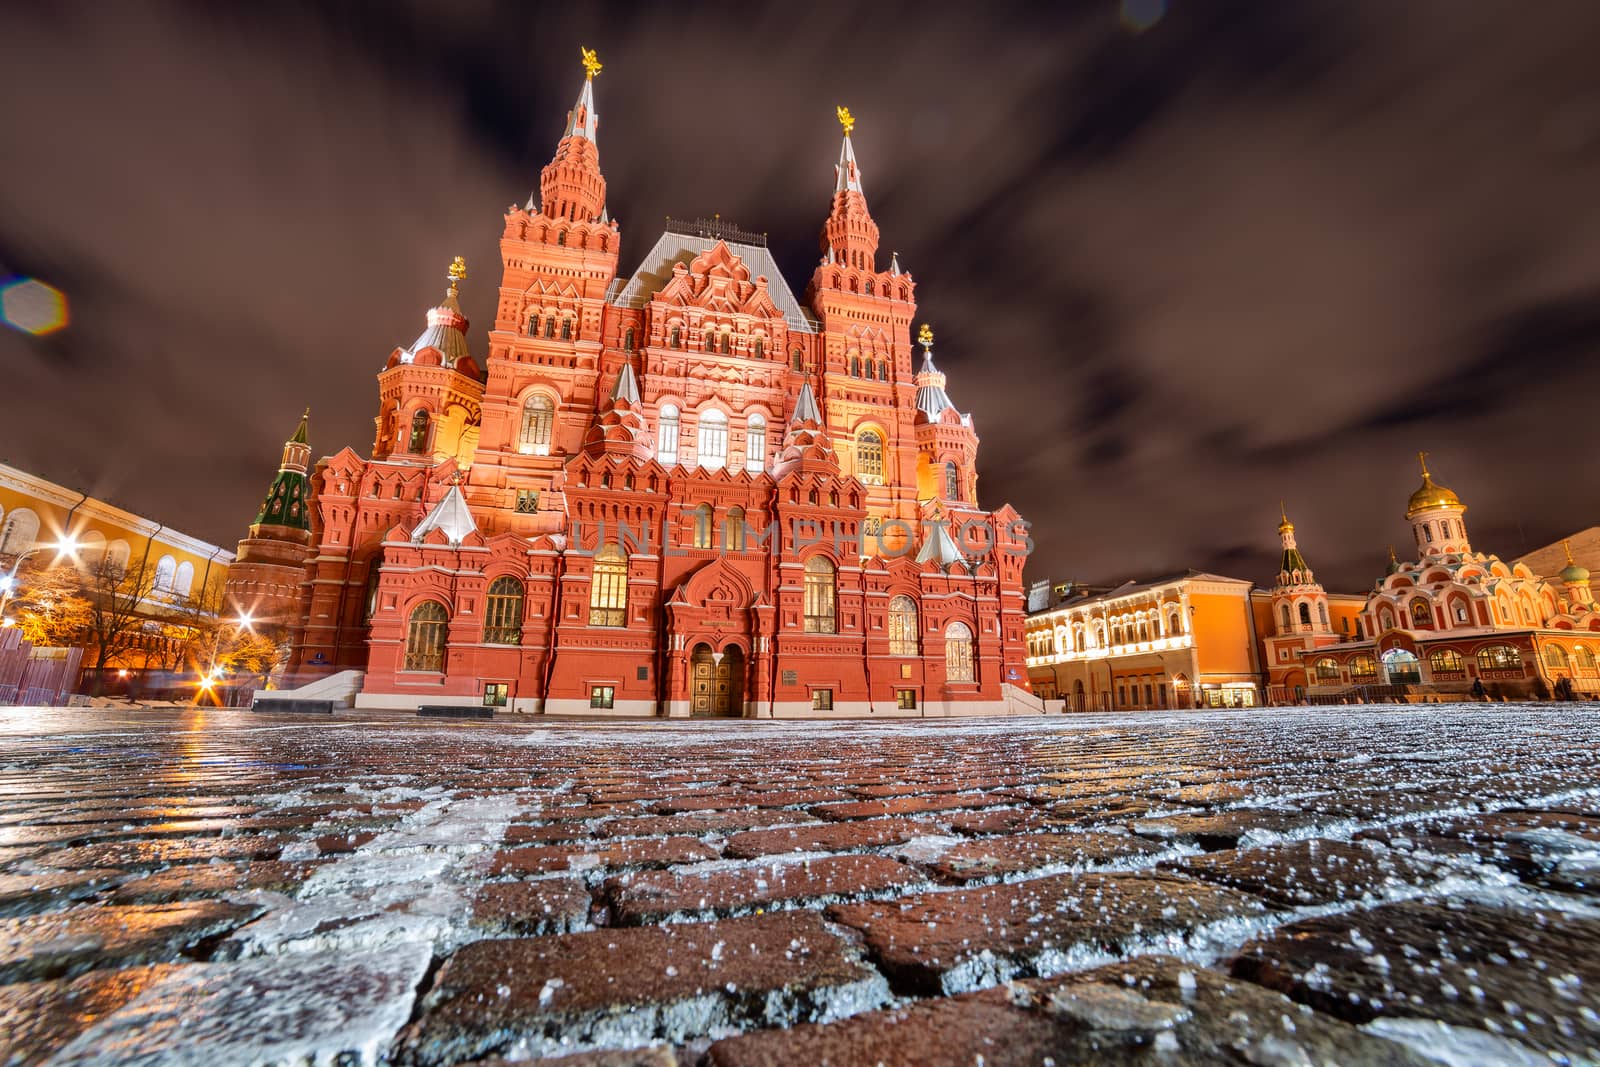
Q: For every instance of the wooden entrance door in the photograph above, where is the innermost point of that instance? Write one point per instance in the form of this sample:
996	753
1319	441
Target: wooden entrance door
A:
716	690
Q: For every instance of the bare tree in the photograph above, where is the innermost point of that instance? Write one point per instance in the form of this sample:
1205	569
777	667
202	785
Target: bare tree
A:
116	593
49	606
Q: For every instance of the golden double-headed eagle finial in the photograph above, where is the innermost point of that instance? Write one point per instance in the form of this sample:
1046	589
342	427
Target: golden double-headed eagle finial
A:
457	271
847	120
925	336
591	62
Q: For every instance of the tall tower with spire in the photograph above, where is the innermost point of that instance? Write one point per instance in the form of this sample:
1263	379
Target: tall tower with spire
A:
264	582
1299	603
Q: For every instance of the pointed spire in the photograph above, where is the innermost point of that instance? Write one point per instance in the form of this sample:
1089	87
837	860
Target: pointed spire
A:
451	515
582	120
847	174
299	437
289	495
571	186
1294	570
626	387
805	406
939	547
932	400
849	234
894	263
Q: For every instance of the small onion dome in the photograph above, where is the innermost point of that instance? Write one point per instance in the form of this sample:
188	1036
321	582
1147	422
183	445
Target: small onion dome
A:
1429	495
1572	573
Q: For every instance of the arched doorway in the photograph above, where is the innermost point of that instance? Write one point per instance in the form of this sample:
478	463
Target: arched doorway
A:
1401	667
716	683
1080	702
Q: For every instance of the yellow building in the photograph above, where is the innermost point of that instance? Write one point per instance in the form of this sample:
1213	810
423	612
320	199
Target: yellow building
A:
1183	641
45	524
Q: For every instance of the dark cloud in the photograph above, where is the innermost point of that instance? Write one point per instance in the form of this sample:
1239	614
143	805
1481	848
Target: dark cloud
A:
1258	251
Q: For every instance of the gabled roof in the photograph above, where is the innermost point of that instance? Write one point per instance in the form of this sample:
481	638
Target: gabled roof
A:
655	270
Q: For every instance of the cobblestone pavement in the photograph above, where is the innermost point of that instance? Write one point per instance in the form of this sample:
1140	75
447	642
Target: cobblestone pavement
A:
1339	886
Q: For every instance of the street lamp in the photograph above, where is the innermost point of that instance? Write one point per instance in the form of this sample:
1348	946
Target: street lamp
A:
67	546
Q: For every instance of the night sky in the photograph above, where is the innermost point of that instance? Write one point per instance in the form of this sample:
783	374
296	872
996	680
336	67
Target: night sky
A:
1255	251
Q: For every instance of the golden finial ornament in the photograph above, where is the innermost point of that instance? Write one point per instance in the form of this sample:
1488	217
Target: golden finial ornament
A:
1567	546
458	270
1422	457
847	120
925	336
591	63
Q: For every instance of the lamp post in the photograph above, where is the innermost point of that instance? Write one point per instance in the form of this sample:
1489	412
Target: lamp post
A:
67	546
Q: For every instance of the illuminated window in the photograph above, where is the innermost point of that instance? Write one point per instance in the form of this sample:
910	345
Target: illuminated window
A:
952	482
502	612
1585	656
667	442
733	530
1499	658
905	699
538	418
527	501
712	442
419	432
702	526
1327	671
755	444
958	653
602	696
425	637
495	693
608	589
1363	669
822	700
869	457
1446	661
21	531
902	626
1555	657
819	597
166	574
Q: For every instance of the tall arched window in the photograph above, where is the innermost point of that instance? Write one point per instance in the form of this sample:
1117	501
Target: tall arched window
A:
419	432
1322	613
712	440
667	439
608	590
710	339
1327	671
21	531
502	612
727	343
733	530
675	337
627	340
958	653
952	482
1285	612
703	518
902	626
166	574
869	457
538	419
425	637
796	359
855	366
117	553
759	348
1305	613
755	444
550	327
820	613
1555	657
1585	657
566	329
183	578
1445	661
1363	669
533	326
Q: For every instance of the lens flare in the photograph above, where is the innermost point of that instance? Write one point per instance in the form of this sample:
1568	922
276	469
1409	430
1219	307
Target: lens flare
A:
33	307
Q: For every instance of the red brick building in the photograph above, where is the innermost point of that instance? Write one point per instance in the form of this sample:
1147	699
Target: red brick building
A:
671	492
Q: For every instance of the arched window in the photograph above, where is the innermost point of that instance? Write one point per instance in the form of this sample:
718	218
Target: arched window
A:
425	637
550	327
702	526
667	439
727	343
1363	669
902	626
1401	667
796	359
183	578
533	326
1499	658
869	457
710	339
1585	657
1446	661
712	442
1421	614
21	532
627	340
958	653
952	482
1327	671
1305	614
608	590
419	432
538	419
759	349
755	444
502	612
855	366
675	338
1175	623
1144	631
1322	613
733	530
166	574
117	553
820	617
566	329
1286	619
370	601
1555	657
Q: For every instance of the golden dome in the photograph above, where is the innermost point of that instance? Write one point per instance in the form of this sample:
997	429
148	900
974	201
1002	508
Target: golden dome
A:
1429	495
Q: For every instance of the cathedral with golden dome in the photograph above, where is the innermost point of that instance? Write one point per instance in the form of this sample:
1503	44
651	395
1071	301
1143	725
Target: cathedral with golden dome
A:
1454	621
